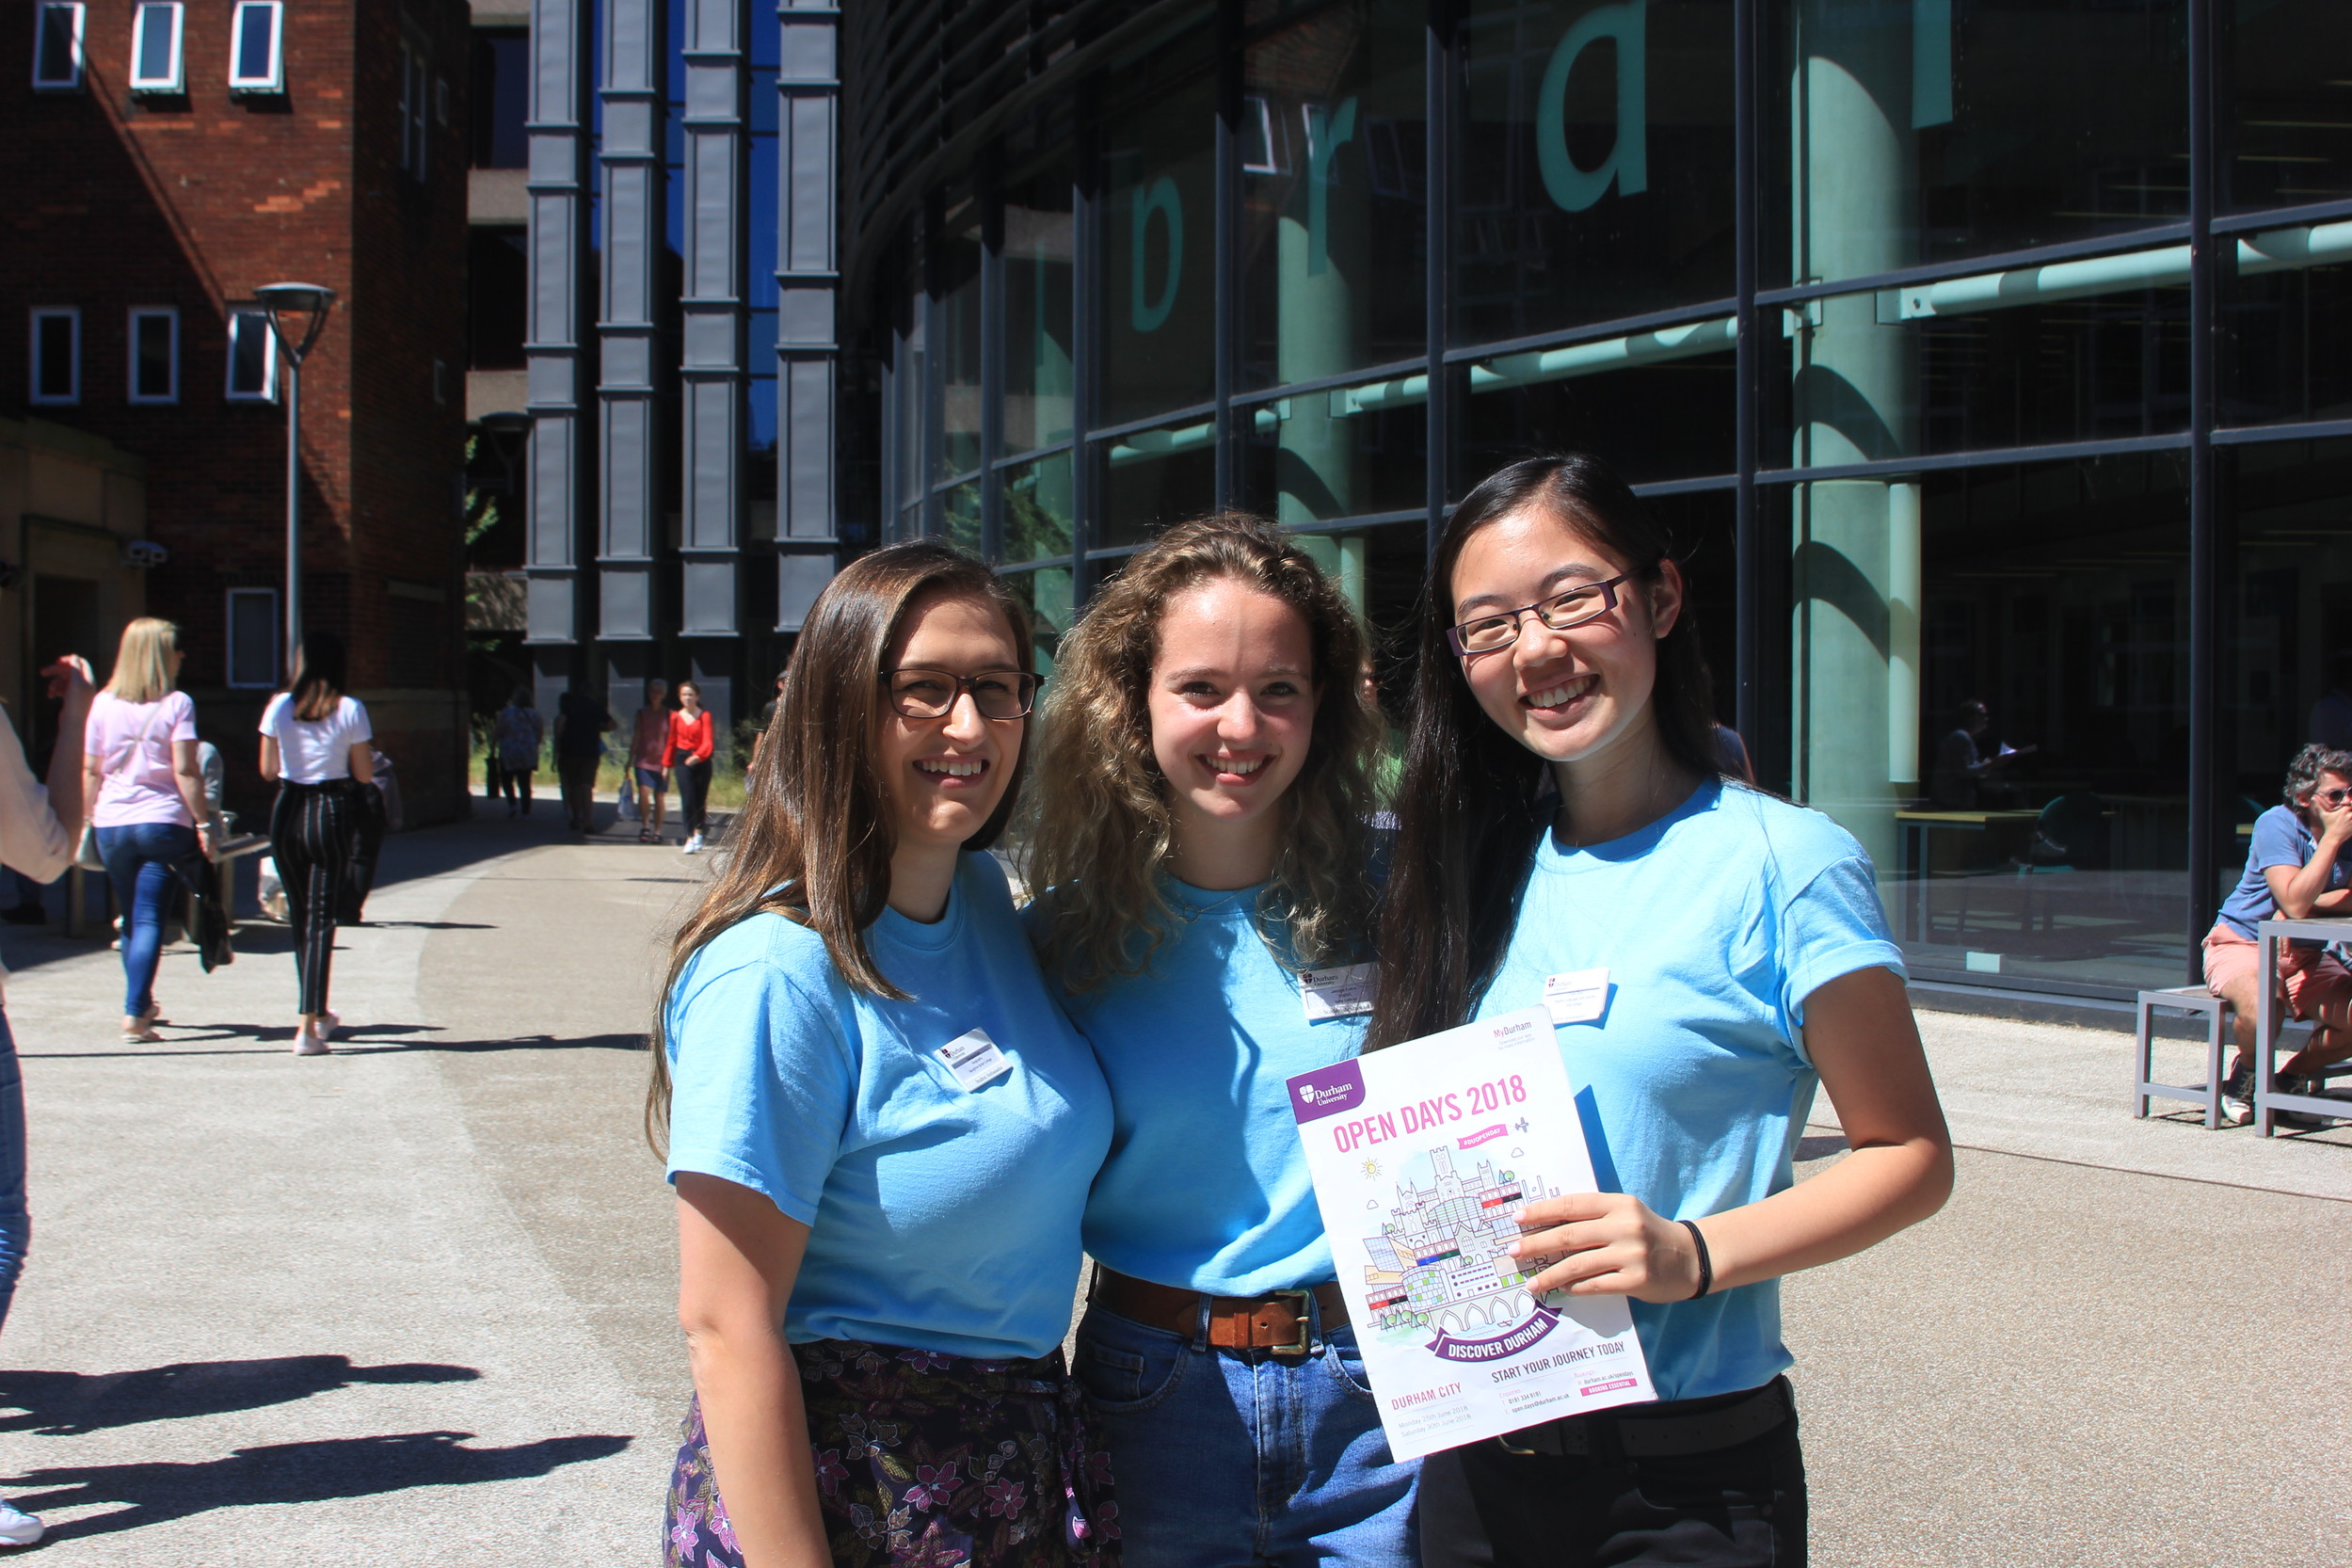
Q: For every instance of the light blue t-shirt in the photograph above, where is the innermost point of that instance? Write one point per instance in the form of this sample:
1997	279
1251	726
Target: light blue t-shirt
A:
1715	923
940	1218
2279	839
1206	1187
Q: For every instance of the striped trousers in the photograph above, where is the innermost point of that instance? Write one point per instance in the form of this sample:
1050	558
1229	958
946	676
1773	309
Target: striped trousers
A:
312	831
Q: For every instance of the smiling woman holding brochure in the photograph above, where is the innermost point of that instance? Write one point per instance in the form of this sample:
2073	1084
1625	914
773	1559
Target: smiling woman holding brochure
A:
1202	832
1563	836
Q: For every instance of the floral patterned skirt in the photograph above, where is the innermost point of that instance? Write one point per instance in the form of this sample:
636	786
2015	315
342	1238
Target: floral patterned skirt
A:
925	1461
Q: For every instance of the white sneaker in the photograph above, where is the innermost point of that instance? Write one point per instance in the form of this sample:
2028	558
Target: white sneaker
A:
308	1043
694	845
17	1527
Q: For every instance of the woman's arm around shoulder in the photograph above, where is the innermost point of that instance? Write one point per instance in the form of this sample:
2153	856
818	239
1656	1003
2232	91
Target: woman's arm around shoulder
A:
737	1258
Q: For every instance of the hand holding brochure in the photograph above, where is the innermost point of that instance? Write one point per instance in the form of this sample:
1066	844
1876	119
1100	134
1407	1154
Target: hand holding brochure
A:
1423	1155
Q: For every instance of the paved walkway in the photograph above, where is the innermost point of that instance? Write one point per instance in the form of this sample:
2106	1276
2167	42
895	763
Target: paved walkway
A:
412	1303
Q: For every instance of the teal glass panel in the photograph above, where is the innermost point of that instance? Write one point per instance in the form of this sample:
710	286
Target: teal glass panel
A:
2058	596
2286	332
1044	592
1155	477
1334	190
2287	123
1593	168
958	361
1039	383
961	507
1159	286
1039	508
1316	455
1901	134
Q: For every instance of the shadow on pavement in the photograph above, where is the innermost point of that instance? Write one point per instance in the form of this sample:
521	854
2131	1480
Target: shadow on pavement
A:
291	1473
69	1404
519	1042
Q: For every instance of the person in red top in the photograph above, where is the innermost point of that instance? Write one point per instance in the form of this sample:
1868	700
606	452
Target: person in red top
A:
691	741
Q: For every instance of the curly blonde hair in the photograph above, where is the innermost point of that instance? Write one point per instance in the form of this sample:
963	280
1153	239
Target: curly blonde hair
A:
1101	827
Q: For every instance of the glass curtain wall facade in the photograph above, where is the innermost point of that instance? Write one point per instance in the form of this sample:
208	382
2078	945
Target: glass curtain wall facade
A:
1979	351
681	342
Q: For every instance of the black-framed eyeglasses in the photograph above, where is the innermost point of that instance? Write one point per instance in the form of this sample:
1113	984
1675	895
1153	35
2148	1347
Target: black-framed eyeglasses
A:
1001	694
1488	633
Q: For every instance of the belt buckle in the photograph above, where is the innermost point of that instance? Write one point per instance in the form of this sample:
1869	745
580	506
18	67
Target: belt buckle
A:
1306	1343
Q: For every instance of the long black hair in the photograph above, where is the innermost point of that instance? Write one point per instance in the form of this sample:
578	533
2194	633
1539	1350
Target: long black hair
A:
1472	801
319	678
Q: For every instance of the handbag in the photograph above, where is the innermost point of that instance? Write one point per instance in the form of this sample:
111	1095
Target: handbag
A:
86	853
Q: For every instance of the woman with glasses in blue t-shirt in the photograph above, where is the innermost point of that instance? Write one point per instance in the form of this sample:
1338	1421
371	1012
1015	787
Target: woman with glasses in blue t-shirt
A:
880	1125
1560	810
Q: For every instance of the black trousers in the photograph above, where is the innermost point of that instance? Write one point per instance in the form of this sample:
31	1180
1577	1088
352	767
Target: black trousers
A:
693	790
1740	1507
312	830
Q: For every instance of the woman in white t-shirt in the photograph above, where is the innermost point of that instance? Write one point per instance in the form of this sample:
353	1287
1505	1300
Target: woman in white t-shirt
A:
315	744
148	806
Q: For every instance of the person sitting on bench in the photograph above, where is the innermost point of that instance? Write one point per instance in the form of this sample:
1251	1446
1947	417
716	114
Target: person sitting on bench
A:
2300	864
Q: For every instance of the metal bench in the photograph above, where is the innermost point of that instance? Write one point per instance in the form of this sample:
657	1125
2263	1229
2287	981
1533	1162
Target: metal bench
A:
2221	1030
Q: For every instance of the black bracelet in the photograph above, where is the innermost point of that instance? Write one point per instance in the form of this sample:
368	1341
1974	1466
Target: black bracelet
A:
1707	1264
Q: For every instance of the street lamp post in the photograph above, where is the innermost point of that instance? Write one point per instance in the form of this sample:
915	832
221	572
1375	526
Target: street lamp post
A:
292	306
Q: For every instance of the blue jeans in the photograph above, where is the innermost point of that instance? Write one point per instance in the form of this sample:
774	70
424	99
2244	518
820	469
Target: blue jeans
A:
16	1225
138	859
1222	1462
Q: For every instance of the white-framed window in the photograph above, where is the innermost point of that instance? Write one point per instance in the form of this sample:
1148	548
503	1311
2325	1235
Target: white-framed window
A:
252	639
253	358
57	46
155	354
257	48
416	107
155	33
57	367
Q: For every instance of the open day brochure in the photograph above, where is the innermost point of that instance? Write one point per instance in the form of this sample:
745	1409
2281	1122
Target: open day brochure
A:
1423	1156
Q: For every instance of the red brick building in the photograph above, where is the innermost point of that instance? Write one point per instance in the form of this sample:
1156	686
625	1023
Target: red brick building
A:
155	174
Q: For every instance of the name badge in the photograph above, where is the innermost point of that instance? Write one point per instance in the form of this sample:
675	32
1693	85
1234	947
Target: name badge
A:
974	1059
1576	998
1345	993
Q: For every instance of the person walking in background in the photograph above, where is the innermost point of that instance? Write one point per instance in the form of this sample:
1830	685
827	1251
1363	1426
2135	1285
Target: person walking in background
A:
691	741
145	784
650	761
37	833
315	747
516	736
1203	838
581	722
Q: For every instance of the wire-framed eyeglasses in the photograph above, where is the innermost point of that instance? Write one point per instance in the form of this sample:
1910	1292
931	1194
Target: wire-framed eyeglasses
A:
1489	633
920	694
2333	797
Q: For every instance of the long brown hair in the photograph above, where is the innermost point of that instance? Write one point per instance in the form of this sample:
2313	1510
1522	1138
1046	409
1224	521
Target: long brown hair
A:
814	839
1471	801
1103	827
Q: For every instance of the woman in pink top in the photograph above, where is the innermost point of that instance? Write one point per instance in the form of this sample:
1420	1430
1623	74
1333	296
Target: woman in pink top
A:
147	800
691	741
650	761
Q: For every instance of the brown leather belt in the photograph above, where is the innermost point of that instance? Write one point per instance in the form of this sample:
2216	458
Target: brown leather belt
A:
1277	1322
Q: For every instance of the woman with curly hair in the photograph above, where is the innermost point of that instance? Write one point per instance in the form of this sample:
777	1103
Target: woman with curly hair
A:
880	1126
1202	832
